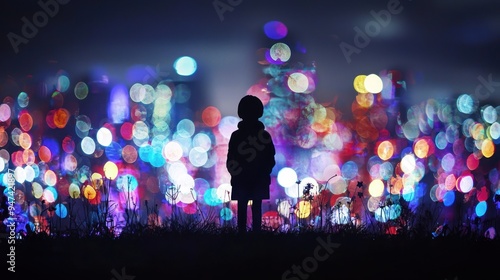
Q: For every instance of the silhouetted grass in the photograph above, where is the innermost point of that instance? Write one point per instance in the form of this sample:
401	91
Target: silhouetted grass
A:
195	250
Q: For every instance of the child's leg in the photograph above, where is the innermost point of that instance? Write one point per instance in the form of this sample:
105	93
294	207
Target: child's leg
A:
242	215
256	214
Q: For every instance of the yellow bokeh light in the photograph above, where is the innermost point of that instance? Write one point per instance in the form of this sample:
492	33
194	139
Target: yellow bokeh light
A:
385	150
487	148
359	84
365	100
50	178
304	209
397	185
376	188
96	180
24	140
36	190
110	170
477	131
421	148
89	192
74	190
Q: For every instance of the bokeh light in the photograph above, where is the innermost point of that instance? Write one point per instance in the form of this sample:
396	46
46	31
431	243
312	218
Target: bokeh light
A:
81	90
104	136
287	177
373	83
275	30
280	53
211	116
185	66
160	143
359	84
110	170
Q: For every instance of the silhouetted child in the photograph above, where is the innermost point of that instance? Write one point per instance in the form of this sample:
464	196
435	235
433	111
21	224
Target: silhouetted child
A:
250	160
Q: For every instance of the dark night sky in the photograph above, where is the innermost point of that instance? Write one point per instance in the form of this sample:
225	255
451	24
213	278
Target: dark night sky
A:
447	45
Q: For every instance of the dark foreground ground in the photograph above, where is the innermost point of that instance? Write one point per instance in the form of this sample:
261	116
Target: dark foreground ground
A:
266	255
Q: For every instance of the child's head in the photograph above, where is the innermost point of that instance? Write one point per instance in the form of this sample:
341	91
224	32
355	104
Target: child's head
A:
250	108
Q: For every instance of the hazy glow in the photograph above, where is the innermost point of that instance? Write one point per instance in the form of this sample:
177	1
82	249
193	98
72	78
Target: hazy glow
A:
118	110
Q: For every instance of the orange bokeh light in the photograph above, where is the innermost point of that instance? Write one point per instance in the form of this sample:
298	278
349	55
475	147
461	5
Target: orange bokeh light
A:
211	116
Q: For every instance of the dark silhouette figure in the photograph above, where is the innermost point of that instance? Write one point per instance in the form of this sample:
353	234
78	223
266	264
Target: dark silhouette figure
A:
250	160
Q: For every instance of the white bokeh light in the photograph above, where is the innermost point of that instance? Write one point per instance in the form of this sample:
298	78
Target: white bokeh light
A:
373	83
